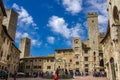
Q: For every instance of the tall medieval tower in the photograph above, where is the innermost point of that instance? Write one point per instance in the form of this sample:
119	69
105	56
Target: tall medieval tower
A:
25	47
77	49
93	33
113	8
11	22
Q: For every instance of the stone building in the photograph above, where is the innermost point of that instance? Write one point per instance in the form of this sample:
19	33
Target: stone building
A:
111	42
9	53
2	14
36	64
84	56
13	58
7	40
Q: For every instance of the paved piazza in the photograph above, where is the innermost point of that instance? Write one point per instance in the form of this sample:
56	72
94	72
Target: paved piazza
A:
77	78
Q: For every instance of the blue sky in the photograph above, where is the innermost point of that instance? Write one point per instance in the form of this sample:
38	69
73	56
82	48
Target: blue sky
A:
52	24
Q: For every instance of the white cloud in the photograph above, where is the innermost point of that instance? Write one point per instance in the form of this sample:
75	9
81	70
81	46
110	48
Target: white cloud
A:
72	6
25	35
21	35
102	19
18	34
58	25
76	30
16	6
35	42
99	6
24	19
51	39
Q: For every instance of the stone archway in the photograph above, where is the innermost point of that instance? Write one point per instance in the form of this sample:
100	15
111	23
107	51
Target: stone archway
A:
59	63
112	64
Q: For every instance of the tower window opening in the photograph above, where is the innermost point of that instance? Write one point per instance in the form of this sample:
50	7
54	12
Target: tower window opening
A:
94	53
92	21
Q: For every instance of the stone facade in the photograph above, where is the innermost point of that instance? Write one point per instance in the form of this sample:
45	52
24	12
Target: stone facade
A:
84	56
93	33
13	58
9	53
2	14
111	42
36	64
78	58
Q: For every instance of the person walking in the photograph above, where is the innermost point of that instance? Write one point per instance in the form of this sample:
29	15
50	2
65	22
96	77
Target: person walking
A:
74	74
3	73
55	75
15	74
58	70
6	73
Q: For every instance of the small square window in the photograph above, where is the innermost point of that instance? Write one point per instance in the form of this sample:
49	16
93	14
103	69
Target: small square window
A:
48	67
70	60
86	65
27	67
52	60
35	60
77	63
35	67
86	51
47	60
39	67
58	52
86	69
86	58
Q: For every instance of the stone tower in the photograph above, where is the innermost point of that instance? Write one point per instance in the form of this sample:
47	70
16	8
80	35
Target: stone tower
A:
93	33
25	47
114	23
77	45
77	49
11	22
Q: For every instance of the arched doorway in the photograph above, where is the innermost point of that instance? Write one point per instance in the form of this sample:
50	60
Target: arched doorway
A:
102	65
59	63
112	69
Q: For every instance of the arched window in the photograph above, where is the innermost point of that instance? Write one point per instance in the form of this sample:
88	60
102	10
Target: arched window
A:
1	54
116	15
113	69
94	53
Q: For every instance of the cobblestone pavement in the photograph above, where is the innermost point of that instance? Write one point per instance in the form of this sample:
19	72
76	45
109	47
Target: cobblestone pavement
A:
76	78
90	78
